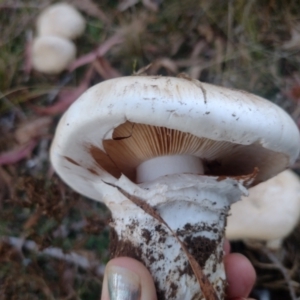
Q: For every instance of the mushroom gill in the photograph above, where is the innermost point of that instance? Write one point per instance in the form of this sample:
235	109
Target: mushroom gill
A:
133	143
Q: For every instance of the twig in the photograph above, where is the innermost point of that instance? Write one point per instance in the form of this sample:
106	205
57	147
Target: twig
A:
282	269
278	264
100	51
70	257
15	155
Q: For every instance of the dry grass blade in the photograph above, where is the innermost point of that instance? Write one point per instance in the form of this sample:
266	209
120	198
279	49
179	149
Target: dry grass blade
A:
205	285
90	8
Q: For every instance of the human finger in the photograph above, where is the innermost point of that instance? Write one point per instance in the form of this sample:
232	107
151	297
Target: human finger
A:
240	276
126	278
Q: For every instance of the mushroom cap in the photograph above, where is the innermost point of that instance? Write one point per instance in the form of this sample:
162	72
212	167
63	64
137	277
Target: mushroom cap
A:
52	54
60	19
109	130
270	212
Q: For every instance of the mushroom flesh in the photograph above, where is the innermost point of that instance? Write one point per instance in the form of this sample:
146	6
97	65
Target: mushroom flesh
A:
176	148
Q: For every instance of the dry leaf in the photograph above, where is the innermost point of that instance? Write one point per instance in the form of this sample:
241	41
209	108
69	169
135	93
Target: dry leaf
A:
32	129
17	154
33	219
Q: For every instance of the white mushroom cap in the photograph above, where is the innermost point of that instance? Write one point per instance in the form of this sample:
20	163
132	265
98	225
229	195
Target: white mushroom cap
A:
271	211
52	54
61	19
117	124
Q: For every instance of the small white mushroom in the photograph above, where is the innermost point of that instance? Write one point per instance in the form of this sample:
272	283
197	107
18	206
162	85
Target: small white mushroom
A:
270	213
52	54
61	19
181	147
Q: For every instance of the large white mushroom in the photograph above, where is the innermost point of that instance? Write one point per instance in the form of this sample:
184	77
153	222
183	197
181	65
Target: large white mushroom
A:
60	19
52	54
169	156
269	213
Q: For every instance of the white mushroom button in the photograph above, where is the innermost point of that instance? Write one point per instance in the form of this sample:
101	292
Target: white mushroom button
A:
52	54
181	147
60	19
269	213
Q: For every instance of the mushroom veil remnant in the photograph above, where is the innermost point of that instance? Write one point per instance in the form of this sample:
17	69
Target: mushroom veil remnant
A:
169	156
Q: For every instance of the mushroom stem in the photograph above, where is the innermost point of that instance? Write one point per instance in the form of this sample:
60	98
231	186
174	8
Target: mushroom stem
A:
195	208
169	164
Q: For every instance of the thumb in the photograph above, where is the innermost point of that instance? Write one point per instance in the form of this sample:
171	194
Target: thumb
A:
127	279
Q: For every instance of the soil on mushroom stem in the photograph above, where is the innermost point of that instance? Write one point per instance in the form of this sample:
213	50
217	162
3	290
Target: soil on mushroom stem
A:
200	247
119	248
126	248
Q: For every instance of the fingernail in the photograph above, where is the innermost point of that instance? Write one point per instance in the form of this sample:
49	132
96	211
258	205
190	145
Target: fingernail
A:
243	299
123	284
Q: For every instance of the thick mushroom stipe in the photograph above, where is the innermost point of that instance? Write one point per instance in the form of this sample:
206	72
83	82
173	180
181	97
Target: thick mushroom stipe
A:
199	221
165	165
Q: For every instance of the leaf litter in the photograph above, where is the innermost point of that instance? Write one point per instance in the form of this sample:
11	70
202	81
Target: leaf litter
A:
243	45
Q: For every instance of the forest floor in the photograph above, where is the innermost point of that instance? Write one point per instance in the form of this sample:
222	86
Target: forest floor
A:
53	242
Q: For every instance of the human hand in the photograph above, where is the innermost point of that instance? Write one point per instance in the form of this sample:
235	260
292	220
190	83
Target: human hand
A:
137	283
240	275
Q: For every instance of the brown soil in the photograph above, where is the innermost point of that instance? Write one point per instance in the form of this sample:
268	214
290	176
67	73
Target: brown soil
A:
201	248
123	248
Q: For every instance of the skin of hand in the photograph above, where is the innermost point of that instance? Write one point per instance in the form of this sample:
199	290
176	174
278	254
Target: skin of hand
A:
128	279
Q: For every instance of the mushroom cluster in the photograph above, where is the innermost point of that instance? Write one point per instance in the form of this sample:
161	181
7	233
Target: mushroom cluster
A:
53	49
169	156
269	214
